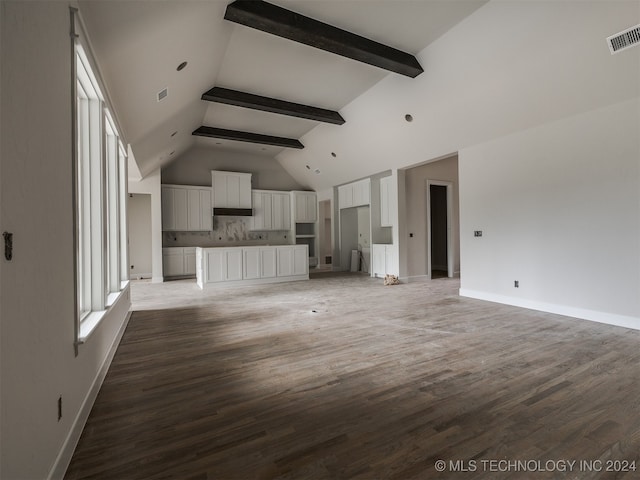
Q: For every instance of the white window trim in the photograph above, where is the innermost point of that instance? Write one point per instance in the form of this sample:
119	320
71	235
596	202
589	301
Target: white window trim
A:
100	194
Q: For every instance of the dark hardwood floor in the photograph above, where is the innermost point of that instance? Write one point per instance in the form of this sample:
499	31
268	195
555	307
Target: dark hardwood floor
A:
341	377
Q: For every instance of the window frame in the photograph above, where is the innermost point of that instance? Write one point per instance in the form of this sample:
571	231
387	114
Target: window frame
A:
99	197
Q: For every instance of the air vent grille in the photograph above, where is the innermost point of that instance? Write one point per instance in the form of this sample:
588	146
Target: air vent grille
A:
623	40
162	94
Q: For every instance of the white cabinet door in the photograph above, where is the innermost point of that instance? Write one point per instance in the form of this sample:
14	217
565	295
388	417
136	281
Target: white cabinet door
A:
234	264
174	209
345	196
168	217
194	215
219	186
284	261
251	267
361	192
172	262
305	207
281	208
267	207
215	266
231	189
257	220
268	262
300	260
190	261
311	207
378	253
206	210
385	202
180	209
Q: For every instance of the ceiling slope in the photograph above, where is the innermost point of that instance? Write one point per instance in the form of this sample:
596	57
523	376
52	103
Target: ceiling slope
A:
284	23
139	44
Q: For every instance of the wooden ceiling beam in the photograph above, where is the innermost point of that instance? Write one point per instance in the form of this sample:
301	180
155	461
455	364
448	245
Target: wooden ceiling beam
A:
272	105
284	23
240	136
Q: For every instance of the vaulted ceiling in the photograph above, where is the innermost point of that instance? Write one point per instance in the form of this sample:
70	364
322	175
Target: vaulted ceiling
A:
140	44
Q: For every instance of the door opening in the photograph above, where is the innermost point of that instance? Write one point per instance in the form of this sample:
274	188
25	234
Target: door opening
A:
325	259
139	217
440	252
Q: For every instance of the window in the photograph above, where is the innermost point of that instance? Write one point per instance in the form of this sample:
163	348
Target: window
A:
100	199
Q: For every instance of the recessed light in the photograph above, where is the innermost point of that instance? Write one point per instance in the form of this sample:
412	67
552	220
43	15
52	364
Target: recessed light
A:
174	133
408	118
308	167
333	154
181	66
172	153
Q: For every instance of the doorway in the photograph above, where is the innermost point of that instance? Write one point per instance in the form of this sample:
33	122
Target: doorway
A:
139	216
440	252
324	234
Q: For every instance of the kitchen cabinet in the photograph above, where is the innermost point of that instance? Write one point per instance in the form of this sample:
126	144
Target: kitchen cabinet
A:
385	202
304	207
354	194
383	260
190	261
292	260
199	210
178	261
231	189
223	264
259	262
251	265
271	211
281	211
186	208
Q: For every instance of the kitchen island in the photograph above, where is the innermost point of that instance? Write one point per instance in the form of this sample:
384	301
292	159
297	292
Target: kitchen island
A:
227	266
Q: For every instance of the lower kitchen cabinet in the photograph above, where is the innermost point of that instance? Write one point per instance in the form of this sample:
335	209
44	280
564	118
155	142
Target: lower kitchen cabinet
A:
383	260
179	261
252	265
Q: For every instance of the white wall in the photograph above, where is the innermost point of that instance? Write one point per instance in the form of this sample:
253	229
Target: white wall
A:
559	208
509	66
37	357
151	185
139	217
195	165
416	197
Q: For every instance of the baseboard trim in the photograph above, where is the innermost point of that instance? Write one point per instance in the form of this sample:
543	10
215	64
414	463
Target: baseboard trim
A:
66	453
580	313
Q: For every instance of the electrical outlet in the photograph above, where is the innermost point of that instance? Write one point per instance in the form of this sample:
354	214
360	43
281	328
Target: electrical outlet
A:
59	407
516	283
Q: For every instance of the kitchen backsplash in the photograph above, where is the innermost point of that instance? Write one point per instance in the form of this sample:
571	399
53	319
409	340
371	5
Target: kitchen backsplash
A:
228	231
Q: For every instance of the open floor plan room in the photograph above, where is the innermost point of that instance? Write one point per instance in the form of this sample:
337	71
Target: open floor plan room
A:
342	377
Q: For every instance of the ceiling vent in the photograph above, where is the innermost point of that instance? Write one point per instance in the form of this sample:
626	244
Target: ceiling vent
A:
162	94
623	40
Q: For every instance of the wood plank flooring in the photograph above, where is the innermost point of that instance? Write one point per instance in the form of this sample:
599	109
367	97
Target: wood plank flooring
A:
341	377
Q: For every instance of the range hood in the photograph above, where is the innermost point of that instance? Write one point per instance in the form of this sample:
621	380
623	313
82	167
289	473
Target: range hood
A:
236	212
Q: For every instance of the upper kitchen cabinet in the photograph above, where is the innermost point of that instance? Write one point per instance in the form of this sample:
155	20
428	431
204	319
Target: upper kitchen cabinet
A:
386	197
304	207
231	189
186	208
354	194
271	211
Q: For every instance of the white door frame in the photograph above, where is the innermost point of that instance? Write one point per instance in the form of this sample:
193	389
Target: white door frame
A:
450	245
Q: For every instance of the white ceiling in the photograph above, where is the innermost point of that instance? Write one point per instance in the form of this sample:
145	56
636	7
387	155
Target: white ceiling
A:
139	44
